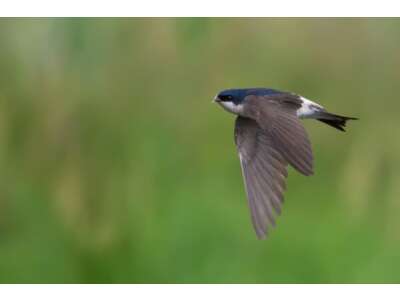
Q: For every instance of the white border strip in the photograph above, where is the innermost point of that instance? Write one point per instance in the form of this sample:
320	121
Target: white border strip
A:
199	292
212	8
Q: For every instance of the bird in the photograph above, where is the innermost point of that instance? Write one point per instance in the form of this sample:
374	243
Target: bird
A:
269	136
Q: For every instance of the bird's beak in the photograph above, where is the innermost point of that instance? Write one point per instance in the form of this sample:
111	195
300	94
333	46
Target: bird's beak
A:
216	99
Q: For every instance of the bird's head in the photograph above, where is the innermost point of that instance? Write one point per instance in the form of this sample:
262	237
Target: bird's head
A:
235	96
233	100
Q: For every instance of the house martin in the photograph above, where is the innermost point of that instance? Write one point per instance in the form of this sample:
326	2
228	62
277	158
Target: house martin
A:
269	136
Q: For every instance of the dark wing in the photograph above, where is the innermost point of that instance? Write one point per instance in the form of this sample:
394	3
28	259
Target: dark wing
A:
264	172
270	138
277	116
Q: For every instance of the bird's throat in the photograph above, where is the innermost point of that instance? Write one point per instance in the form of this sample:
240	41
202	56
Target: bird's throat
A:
231	107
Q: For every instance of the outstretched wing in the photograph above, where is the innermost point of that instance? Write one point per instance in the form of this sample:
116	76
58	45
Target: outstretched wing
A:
267	141
264	172
277	116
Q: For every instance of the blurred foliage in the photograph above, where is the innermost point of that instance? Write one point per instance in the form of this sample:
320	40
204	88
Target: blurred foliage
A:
117	168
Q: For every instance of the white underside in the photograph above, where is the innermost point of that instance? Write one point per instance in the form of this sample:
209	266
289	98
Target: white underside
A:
232	107
308	108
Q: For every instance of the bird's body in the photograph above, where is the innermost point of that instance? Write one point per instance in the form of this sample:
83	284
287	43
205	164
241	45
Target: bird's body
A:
268	137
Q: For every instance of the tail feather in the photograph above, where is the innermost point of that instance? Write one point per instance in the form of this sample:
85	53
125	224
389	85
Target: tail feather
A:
336	121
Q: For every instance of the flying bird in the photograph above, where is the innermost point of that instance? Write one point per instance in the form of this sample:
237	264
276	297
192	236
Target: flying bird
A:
269	136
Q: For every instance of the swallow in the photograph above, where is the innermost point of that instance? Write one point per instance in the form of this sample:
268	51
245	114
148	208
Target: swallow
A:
269	136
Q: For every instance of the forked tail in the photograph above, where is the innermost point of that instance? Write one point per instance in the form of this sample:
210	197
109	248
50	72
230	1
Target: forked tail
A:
339	122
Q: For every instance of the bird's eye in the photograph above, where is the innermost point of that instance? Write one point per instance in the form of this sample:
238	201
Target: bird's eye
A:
226	97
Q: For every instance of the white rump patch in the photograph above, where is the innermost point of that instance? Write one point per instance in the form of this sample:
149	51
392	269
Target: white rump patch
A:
232	107
308	108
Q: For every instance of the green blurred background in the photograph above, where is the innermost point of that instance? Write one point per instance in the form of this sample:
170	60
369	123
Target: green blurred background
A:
117	168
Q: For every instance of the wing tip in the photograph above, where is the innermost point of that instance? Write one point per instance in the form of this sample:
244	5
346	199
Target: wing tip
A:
262	235
303	171
309	173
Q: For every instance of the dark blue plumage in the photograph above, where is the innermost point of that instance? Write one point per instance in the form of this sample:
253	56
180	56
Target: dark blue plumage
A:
237	95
